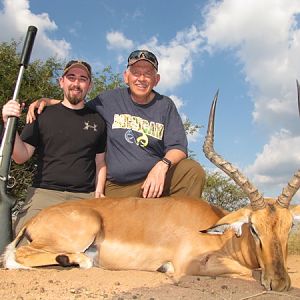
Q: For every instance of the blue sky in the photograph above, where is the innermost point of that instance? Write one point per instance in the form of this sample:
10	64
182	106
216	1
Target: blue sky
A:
248	49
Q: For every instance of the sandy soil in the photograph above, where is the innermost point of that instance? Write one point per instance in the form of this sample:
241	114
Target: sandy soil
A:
73	283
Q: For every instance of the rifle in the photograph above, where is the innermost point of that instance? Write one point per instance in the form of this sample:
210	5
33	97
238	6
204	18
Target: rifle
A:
6	148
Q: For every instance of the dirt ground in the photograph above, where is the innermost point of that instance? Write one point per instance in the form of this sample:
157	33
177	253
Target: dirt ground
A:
73	283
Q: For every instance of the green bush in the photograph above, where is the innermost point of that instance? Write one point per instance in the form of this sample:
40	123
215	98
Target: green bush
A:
294	240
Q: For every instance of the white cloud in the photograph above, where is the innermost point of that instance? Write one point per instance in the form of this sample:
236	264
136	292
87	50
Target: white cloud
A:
16	17
277	163
266	39
271	163
178	101
192	137
175	58
76	27
117	40
121	60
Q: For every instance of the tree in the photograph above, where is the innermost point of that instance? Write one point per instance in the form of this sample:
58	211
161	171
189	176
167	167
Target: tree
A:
38	80
106	80
223	192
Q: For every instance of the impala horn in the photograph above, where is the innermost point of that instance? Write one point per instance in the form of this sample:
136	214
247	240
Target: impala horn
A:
256	199
294	184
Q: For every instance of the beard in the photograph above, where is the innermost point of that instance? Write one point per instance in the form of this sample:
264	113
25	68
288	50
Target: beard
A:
75	99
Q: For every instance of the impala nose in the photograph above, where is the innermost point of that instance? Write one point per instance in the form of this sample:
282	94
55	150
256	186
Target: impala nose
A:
282	284
279	284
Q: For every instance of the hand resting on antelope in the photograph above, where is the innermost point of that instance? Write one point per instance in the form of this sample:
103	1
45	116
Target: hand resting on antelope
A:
177	235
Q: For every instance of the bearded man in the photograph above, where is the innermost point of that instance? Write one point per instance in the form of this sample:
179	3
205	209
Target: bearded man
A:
70	142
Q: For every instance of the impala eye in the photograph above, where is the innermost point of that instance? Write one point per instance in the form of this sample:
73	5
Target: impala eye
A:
255	235
253	232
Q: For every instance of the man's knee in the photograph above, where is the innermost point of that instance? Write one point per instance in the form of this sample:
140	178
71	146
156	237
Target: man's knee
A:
118	190
187	178
197	178
194	168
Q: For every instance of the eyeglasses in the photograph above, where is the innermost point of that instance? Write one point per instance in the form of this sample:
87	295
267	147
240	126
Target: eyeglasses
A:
72	63
140	55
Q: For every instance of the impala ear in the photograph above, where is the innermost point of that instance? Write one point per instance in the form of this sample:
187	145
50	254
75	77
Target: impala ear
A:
233	220
296	213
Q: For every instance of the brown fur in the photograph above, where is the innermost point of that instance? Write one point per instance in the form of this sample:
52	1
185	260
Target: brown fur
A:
145	234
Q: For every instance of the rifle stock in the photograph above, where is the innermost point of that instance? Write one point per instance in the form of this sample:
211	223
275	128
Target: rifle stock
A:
6	149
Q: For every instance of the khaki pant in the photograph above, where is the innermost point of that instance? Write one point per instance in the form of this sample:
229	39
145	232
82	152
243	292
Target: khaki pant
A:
38	198
187	178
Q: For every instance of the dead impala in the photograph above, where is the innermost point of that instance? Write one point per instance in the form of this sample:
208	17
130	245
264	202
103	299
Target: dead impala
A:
174	234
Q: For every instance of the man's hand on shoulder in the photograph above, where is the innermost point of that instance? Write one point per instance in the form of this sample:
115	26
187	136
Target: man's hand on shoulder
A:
39	105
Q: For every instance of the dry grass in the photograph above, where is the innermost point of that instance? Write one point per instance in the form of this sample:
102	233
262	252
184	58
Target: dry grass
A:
294	240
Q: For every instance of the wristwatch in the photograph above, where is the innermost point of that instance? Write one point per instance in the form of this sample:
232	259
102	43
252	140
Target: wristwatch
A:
167	162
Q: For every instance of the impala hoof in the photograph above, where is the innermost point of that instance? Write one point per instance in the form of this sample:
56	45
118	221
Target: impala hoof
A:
86	264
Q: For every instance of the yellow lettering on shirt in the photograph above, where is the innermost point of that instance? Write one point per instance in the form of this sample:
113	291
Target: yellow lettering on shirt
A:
138	124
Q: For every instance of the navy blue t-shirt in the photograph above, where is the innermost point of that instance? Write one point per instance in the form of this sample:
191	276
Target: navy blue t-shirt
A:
138	136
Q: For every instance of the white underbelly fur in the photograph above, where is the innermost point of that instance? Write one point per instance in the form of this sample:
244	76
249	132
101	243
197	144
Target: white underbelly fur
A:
117	255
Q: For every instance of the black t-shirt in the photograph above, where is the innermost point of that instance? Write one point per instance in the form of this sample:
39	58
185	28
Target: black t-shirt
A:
138	136
66	142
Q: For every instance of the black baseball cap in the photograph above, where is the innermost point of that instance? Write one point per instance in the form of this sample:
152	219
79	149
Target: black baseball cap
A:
138	55
79	64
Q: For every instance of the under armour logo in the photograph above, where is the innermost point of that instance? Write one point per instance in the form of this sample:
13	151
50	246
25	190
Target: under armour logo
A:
87	126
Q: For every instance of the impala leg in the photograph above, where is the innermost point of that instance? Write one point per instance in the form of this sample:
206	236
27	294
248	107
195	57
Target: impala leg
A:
31	256
213	265
71	259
